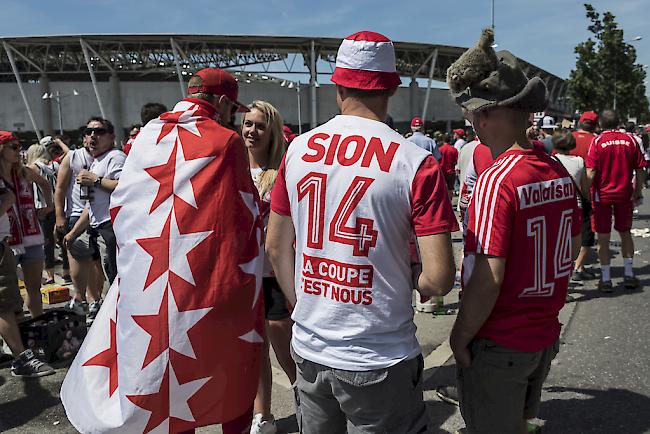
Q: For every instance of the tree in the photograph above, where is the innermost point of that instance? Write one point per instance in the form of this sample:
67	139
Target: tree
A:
606	74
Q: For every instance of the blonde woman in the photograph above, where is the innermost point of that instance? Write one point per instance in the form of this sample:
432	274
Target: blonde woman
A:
26	238
40	161
264	139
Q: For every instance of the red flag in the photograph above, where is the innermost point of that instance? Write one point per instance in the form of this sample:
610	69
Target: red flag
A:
176	343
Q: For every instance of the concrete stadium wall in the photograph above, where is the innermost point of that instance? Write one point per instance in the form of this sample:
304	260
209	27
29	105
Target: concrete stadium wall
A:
407	102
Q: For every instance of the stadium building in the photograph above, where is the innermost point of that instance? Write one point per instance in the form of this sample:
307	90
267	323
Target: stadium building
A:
52	83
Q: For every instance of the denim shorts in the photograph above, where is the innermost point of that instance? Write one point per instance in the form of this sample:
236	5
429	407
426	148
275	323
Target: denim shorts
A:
32	254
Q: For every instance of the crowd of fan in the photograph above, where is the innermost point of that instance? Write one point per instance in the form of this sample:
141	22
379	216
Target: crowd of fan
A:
57	194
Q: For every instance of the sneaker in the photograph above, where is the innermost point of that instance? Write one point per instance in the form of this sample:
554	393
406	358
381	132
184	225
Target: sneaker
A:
93	309
78	307
630	282
27	365
67	278
260	426
605	286
448	394
579	276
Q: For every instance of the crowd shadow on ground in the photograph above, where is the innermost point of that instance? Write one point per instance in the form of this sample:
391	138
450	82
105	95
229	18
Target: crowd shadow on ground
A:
595	411
32	397
35	398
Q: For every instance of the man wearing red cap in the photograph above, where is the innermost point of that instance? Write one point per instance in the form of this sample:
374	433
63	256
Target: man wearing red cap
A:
176	343
424	142
614	158
350	193
459	138
585	134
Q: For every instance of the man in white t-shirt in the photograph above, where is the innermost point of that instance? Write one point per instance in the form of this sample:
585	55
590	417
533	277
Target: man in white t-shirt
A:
351	193
101	179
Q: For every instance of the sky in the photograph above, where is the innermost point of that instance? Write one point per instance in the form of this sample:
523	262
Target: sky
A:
543	32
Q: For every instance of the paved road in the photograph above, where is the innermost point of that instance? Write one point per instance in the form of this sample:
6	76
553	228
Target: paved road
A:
600	381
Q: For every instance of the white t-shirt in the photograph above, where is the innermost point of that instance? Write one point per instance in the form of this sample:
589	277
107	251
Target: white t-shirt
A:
576	167
356	191
80	159
459	144
109	166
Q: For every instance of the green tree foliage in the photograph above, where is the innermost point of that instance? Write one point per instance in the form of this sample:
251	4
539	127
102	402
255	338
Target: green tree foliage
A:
606	74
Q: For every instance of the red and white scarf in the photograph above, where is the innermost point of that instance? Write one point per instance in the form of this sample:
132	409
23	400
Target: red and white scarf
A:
25	229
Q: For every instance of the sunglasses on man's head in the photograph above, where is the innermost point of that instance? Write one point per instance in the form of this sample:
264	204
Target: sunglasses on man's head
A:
97	131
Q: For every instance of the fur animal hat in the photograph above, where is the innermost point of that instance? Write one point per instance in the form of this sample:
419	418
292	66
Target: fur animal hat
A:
481	79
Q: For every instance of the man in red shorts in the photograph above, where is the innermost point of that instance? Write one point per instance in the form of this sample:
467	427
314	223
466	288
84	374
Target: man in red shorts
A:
614	157
523	220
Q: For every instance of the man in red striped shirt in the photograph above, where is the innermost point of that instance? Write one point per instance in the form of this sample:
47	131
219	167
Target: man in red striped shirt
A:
614	157
518	248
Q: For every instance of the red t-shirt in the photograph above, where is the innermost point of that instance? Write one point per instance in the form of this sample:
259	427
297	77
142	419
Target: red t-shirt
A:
449	158
583	140
614	156
525	209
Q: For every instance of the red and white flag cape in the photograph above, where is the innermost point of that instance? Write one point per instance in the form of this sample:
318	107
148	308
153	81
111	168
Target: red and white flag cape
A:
176	343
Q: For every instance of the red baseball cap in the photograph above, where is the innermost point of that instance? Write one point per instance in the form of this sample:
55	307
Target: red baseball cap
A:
459	131
7	137
416	122
216	81
591	117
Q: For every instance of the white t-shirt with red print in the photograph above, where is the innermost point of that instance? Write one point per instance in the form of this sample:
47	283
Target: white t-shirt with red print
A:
356	190
524	209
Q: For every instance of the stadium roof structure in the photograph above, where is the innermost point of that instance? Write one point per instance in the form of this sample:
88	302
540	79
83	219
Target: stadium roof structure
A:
167	57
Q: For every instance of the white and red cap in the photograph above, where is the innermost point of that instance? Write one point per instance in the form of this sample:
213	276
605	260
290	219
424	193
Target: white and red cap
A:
366	60
417	122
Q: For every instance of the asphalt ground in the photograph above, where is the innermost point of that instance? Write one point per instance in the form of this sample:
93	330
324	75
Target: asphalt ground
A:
599	383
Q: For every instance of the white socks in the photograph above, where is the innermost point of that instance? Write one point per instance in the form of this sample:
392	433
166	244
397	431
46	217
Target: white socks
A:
628	267
605	273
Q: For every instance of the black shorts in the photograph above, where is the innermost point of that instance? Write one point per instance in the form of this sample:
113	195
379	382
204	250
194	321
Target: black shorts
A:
450	180
588	237
275	303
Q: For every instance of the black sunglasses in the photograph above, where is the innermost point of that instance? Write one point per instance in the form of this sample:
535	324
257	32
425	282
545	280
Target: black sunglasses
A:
97	131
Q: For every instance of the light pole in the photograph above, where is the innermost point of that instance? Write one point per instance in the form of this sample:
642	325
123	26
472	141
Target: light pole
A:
635	39
492	14
57	96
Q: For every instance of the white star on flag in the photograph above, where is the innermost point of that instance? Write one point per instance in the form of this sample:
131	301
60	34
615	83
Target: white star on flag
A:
183	244
182	322
185	170
179	394
252	337
254	267
251	204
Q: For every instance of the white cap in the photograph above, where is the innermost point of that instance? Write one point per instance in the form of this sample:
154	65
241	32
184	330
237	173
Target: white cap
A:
548	123
46	141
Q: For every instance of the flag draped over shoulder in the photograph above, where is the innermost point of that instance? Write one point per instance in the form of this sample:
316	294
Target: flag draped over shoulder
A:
176	343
